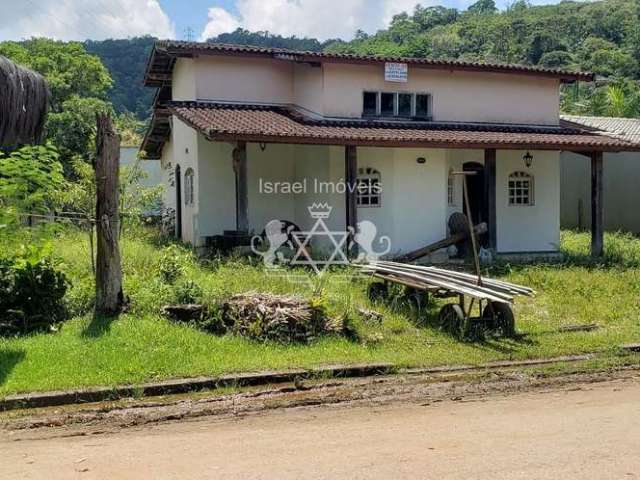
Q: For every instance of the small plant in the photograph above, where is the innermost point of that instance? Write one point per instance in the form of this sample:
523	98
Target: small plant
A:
172	264
32	289
188	292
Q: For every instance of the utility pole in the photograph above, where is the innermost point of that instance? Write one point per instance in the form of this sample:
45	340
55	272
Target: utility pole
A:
109	295
188	34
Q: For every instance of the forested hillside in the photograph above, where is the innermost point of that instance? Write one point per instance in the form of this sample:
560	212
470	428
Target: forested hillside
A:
126	61
603	37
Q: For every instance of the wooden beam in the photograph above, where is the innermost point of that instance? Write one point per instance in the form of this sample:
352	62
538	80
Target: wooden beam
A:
242	192
351	178
597	205
490	196
109	296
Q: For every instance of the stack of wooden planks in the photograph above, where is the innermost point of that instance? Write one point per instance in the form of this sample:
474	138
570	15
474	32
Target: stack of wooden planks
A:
446	282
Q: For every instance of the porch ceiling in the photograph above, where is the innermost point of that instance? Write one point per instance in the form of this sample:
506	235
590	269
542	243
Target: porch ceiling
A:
253	123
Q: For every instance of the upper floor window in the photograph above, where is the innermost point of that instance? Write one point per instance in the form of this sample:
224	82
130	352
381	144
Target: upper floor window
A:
396	104
188	186
520	189
369	188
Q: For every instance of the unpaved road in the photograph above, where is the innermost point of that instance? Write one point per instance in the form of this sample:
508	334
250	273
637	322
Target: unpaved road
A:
588	431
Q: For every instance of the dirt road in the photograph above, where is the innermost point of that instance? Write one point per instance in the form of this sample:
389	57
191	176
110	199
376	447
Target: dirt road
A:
578	431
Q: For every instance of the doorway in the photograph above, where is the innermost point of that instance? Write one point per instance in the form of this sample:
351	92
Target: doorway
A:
178	182
476	191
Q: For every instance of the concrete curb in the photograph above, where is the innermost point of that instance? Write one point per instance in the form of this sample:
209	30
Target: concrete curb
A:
185	385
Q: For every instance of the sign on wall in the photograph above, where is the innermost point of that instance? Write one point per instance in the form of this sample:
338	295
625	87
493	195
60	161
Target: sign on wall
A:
396	72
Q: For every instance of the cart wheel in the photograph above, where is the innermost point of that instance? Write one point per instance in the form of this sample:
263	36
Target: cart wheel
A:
377	291
498	318
451	319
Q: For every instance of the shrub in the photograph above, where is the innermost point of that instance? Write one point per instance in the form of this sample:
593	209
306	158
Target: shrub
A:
188	292
32	289
172	263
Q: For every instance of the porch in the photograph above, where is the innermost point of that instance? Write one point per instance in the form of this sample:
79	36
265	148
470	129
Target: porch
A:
243	155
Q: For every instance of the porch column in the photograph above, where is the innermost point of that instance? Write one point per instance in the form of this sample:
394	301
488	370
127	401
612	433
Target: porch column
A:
351	178
242	192
490	196
597	206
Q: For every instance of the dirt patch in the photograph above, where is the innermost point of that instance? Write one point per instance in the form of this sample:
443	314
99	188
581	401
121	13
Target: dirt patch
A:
410	388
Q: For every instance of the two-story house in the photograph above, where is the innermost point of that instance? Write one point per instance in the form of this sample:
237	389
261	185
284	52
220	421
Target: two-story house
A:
246	135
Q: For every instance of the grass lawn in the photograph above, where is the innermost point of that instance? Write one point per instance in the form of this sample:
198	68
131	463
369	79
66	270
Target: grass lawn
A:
141	345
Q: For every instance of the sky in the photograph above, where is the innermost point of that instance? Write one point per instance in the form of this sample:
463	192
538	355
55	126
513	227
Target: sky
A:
202	19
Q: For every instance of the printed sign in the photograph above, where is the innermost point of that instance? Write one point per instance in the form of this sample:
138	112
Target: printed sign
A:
396	72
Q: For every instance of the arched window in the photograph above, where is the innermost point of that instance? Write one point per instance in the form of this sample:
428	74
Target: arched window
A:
188	186
521	189
369	188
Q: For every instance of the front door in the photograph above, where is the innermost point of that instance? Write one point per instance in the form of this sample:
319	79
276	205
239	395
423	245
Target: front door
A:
476	190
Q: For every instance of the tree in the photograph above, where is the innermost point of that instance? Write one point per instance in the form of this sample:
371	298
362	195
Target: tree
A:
78	83
483	6
31	179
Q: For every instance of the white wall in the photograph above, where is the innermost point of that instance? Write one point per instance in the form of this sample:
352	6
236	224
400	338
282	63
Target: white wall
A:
244	80
457	96
336	89
184	143
183	83
533	228
621	192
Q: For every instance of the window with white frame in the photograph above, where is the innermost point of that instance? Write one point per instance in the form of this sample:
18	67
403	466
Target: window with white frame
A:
396	104
451	188
521	189
188	186
369	188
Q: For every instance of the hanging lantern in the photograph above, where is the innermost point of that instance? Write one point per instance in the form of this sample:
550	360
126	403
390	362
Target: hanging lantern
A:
528	159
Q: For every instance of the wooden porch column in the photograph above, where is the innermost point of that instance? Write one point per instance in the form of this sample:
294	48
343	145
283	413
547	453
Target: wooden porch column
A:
490	196
242	192
351	178
597	206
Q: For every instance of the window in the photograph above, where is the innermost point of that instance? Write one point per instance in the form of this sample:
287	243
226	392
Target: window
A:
451	188
188	187
405	104
520	189
423	106
387	104
369	188
396	104
370	104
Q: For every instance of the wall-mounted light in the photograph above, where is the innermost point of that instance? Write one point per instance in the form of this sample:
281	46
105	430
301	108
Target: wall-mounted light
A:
421	160
263	146
528	159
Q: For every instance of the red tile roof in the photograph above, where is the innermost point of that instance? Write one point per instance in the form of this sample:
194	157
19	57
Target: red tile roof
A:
254	123
166	51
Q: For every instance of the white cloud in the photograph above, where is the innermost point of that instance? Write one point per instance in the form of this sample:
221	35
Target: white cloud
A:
220	21
321	19
81	19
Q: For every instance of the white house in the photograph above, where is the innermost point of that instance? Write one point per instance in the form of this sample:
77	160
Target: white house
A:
246	135
620	183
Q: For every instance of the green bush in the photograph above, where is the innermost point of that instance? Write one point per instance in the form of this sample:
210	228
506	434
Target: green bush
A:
32	289
172	263
188	292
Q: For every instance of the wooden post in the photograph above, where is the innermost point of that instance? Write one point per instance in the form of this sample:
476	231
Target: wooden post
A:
597	205
351	179
109	296
242	193
490	196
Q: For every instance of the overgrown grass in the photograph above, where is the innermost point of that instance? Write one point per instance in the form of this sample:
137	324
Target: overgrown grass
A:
141	345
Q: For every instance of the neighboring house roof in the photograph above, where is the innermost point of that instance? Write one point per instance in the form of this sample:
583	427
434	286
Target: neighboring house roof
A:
624	128
165	53
254	123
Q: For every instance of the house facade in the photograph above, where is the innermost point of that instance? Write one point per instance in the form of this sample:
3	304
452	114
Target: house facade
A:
620	177
246	135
